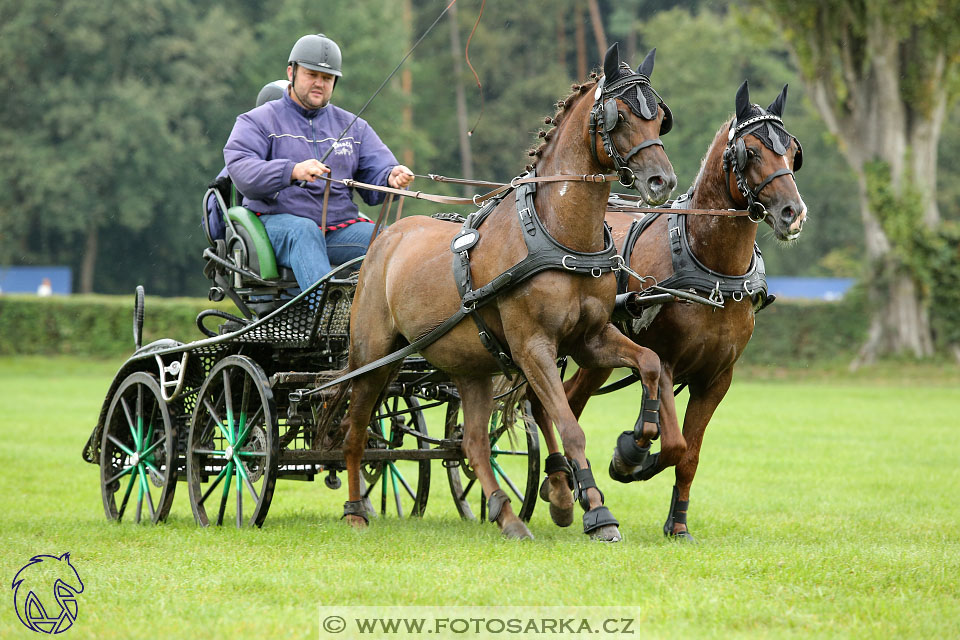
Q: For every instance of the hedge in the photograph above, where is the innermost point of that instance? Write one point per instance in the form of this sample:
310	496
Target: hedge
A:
786	333
93	325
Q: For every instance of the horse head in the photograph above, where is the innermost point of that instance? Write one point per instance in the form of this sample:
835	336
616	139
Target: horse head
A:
626	118
760	160
629	117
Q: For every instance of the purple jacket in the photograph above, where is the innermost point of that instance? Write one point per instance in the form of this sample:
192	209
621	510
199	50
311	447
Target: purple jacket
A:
268	141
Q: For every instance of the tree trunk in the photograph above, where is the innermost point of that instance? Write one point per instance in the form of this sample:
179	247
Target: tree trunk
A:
597	21
406	86
580	36
466	155
89	263
873	123
562	40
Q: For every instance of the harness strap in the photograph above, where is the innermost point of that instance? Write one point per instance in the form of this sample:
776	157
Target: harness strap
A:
323	214
640	147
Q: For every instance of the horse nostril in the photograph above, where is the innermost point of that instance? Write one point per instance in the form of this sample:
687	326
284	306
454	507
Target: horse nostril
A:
788	213
656	183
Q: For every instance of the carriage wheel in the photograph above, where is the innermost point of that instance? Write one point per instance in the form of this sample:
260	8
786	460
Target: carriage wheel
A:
138	450
232	445
514	456
399	487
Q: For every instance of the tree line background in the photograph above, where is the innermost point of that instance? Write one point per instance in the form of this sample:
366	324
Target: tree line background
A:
114	118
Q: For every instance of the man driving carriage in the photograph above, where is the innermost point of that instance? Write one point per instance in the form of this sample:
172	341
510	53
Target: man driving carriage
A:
273	157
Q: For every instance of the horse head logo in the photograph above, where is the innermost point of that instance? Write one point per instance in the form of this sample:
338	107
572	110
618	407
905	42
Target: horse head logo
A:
45	593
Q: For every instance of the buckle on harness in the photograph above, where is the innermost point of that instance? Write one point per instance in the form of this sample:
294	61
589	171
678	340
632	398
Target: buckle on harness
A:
563	261
596	272
716	295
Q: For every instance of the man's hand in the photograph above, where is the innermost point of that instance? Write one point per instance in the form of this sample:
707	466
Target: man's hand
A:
308	170
400	177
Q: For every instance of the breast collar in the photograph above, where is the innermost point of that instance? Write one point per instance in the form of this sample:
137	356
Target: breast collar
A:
689	272
543	253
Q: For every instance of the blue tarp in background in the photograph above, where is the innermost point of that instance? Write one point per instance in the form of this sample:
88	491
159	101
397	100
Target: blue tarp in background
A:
29	279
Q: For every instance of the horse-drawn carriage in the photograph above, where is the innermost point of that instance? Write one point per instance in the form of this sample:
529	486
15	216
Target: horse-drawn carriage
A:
262	396
230	410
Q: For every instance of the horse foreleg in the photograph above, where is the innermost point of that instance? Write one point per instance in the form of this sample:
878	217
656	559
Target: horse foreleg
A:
700	408
556	486
538	363
476	398
610	349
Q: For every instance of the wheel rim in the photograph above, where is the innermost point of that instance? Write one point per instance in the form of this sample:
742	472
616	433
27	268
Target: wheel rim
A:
514	456
397	487
232	450
137	452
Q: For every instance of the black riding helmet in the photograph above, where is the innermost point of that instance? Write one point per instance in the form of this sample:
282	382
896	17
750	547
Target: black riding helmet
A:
316	52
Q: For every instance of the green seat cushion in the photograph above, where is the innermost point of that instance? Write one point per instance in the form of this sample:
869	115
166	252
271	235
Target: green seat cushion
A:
261	243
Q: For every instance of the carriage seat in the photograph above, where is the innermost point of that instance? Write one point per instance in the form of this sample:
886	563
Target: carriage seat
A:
241	262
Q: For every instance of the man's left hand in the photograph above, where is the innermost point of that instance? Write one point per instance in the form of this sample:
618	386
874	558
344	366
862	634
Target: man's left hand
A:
400	177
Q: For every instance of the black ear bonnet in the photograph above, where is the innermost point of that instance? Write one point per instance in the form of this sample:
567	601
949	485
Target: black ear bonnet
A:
635	90
769	129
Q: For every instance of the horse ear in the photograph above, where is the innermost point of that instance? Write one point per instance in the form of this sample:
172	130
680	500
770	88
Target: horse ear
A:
611	62
743	102
776	107
646	67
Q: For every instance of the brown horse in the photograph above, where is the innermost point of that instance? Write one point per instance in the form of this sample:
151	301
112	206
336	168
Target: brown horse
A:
406	288
750	166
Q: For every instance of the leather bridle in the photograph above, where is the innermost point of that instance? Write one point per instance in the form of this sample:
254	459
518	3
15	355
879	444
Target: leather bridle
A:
604	118
735	159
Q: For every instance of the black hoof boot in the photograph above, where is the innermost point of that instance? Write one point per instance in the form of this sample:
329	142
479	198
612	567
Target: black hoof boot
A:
677	515
562	517
627	457
598	523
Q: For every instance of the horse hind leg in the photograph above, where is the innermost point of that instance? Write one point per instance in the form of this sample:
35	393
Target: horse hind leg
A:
476	397
364	394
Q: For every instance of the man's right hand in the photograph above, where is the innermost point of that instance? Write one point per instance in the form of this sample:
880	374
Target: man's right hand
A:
308	170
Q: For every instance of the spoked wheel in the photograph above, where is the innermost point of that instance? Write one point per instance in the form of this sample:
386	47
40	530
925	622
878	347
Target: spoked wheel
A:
138	449
514	456
232	445
399	487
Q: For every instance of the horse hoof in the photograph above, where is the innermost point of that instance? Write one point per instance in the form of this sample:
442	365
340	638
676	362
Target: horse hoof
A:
356	522
608	533
516	530
619	471
562	517
545	489
683	537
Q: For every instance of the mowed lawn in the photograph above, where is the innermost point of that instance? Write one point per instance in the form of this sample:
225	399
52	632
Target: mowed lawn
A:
826	505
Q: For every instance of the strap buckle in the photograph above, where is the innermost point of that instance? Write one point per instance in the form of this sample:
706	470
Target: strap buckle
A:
563	261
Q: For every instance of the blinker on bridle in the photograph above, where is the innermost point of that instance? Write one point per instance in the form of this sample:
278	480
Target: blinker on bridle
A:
604	118
735	159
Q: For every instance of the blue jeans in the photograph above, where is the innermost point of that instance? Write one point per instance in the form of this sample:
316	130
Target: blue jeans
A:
299	245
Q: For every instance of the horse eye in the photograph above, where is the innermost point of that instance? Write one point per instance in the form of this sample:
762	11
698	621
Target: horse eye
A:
620	117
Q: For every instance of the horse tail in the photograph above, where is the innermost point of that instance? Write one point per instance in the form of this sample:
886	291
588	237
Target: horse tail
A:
332	411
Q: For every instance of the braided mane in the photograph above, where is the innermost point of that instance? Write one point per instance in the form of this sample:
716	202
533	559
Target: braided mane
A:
557	119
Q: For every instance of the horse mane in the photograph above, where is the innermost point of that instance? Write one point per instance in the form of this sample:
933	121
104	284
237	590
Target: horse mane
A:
722	131
563	106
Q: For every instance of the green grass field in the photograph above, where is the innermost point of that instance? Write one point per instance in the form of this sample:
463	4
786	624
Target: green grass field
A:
826	505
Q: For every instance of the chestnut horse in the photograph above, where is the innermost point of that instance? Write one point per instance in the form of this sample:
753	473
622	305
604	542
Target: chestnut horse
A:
749	165
406	288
